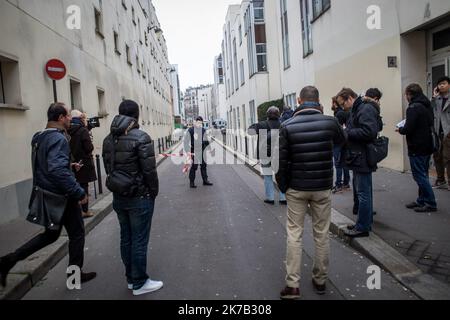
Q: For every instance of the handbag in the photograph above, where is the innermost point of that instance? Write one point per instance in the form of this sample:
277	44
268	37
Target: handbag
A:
435	140
45	208
377	151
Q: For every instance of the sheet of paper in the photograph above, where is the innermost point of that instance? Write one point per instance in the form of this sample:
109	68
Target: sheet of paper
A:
401	124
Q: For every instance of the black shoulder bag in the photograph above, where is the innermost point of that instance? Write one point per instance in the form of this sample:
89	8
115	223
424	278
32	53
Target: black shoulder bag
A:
45	208
118	181
378	150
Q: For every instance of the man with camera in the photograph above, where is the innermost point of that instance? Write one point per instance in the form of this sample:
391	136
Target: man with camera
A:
81	147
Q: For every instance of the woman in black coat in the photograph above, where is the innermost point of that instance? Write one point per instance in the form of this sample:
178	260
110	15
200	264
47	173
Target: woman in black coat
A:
81	149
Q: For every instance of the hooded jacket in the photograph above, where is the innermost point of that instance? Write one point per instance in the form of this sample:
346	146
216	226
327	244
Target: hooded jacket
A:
418	127
133	152
363	127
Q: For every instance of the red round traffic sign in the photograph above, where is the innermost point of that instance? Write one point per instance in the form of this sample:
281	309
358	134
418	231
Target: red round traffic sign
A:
55	69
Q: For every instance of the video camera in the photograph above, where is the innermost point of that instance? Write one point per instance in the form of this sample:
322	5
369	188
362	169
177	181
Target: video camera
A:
93	122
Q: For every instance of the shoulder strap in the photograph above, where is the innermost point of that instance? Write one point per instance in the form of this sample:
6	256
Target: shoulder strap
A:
113	153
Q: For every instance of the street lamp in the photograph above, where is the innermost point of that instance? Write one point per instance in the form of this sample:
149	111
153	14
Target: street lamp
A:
158	30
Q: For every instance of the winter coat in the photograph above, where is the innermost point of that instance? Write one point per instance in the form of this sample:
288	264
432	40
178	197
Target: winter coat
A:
134	154
81	148
441	115
363	127
306	151
255	129
418	127
287	115
53	166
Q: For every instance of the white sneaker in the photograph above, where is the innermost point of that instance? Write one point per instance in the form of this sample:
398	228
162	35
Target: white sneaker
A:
130	286
149	286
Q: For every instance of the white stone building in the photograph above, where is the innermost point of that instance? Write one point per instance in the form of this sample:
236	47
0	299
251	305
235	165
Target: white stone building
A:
219	103
331	44
117	52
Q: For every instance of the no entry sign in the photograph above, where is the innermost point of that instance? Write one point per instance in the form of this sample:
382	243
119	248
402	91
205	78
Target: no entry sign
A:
55	69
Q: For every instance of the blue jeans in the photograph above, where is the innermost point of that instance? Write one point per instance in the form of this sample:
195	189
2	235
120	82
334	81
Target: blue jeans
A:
420	166
270	189
135	218
340	171
363	200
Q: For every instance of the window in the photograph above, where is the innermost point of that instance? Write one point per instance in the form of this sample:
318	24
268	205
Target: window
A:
236	74
261	57
139	31
9	82
319	7
441	39
240	35
75	95
116	43
127	51
101	102
98	22
250	41
124	4
133	15
252	112
258	10
306	28
290	100
285	34
138	67
241	66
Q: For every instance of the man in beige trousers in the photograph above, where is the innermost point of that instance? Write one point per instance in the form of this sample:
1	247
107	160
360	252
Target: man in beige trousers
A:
306	175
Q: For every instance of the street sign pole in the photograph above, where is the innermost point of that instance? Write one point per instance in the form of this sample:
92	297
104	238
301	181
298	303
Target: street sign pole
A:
55	94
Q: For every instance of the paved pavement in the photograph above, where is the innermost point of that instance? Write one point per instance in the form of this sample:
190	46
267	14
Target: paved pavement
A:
220	242
423	238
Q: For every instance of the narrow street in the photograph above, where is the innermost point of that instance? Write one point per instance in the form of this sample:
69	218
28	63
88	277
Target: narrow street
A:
219	242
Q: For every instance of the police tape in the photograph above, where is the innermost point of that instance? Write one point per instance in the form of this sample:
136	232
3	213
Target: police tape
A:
168	155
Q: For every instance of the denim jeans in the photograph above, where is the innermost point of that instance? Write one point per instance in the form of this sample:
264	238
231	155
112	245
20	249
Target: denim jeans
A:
420	166
270	189
363	200
340	171
135	218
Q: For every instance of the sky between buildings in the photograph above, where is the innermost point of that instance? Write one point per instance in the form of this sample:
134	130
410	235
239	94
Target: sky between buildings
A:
193	31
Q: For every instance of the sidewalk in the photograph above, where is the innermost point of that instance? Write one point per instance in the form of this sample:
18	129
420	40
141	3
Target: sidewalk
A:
27	274
413	247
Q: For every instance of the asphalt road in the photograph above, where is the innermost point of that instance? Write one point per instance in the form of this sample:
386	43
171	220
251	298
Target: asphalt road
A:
219	242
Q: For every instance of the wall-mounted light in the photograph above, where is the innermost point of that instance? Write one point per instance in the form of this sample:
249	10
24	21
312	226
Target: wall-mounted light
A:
158	30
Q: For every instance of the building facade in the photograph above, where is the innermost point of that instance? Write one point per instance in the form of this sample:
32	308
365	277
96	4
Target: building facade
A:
198	102
219	106
112	50
273	48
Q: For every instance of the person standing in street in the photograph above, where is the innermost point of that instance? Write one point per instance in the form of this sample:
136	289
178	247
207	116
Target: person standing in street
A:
441	109
342	173
306	175
287	114
130	164
53	173
418	131
362	129
195	142
264	152
81	147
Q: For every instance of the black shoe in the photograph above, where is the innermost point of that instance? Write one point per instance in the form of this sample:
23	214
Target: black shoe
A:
283	202
193	186
320	289
354	233
272	202
5	266
413	205
290	294
207	183
86	277
425	209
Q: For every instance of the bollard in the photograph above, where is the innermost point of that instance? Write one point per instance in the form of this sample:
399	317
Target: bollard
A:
99	174
159	146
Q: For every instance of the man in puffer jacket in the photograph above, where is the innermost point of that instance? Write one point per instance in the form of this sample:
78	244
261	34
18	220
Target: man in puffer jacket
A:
129	159
362	129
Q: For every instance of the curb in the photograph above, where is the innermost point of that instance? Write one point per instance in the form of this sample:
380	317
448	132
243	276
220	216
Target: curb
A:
377	250
26	274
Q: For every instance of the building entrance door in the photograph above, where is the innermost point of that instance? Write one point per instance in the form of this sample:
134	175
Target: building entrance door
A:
438	55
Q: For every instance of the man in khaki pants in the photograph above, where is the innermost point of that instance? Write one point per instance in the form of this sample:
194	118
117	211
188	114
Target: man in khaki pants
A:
306	175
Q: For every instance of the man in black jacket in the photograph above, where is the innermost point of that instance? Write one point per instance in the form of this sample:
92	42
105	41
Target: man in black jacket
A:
195	142
306	175
265	130
418	130
53	173
362	129
129	159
